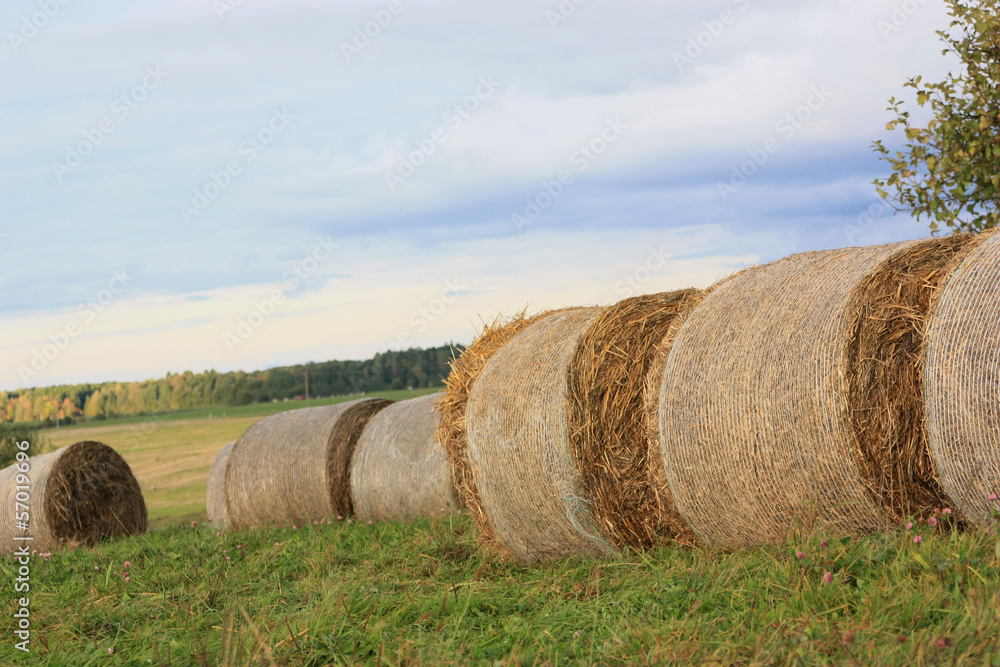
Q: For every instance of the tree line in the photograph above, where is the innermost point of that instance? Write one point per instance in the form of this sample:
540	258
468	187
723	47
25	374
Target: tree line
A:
389	370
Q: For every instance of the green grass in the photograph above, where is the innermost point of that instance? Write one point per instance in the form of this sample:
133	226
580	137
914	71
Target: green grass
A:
424	594
251	410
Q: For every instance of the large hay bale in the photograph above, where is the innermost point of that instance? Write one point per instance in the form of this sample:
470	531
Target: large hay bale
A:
215	501
453	405
608	419
295	466
519	447
400	471
787	392
80	494
963	384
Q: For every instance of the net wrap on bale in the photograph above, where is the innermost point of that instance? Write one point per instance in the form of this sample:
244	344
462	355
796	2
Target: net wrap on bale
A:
758	429
81	494
215	501
962	384
608	419
454	402
400	471
295	466
519	448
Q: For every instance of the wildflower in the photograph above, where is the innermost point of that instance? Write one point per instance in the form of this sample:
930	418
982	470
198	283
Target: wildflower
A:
823	544
128	564
294	527
194	524
97	569
229	557
909	526
800	555
917	539
992	496
127	579
442	510
921	521
340	518
847	638
941	643
277	545
350	521
369	522
932	521
219	534
947	510
111	651
828	577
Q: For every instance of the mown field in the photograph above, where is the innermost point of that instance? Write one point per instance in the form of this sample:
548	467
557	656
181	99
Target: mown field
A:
353	593
423	593
171	454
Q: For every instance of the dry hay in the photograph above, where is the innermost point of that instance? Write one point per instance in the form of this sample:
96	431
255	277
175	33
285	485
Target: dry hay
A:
757	430
295	466
452	406
962	383
519	449
215	501
885	372
79	494
399	471
608	419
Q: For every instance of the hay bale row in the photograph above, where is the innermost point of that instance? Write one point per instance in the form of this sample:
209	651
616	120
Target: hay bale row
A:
295	466
218	515
79	494
399	470
793	392
962	388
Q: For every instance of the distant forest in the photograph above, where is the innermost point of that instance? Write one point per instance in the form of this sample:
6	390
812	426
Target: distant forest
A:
177	391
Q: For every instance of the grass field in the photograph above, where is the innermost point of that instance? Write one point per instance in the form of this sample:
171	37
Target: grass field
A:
352	593
171	454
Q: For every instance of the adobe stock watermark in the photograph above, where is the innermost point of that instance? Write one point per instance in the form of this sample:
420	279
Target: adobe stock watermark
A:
581	160
264	309
223	7
786	128
121	108
425	315
453	118
563	12
866	218
32	25
87	311
633	282
899	17
712	30
364	34
248	150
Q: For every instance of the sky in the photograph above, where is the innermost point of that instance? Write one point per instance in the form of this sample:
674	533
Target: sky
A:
240	184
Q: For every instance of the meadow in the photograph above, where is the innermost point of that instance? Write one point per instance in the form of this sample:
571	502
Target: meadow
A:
424	593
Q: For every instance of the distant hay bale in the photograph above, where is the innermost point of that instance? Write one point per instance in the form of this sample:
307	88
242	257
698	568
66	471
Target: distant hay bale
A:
963	383
295	466
519	447
769	395
608	419
400	471
453	404
215	503
80	494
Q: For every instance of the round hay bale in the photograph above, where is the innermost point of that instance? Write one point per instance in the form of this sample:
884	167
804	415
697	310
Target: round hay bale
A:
399	471
519	448
962	384
80	494
758	424
887	331
215	501
453	405
295	466
608	420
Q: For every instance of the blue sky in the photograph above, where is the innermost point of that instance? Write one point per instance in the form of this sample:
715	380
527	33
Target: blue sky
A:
121	120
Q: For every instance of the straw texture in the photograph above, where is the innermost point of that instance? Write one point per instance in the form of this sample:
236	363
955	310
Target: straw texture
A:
889	316
608	421
963	383
399	471
754	421
519	449
81	493
295	466
453	406
215	501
